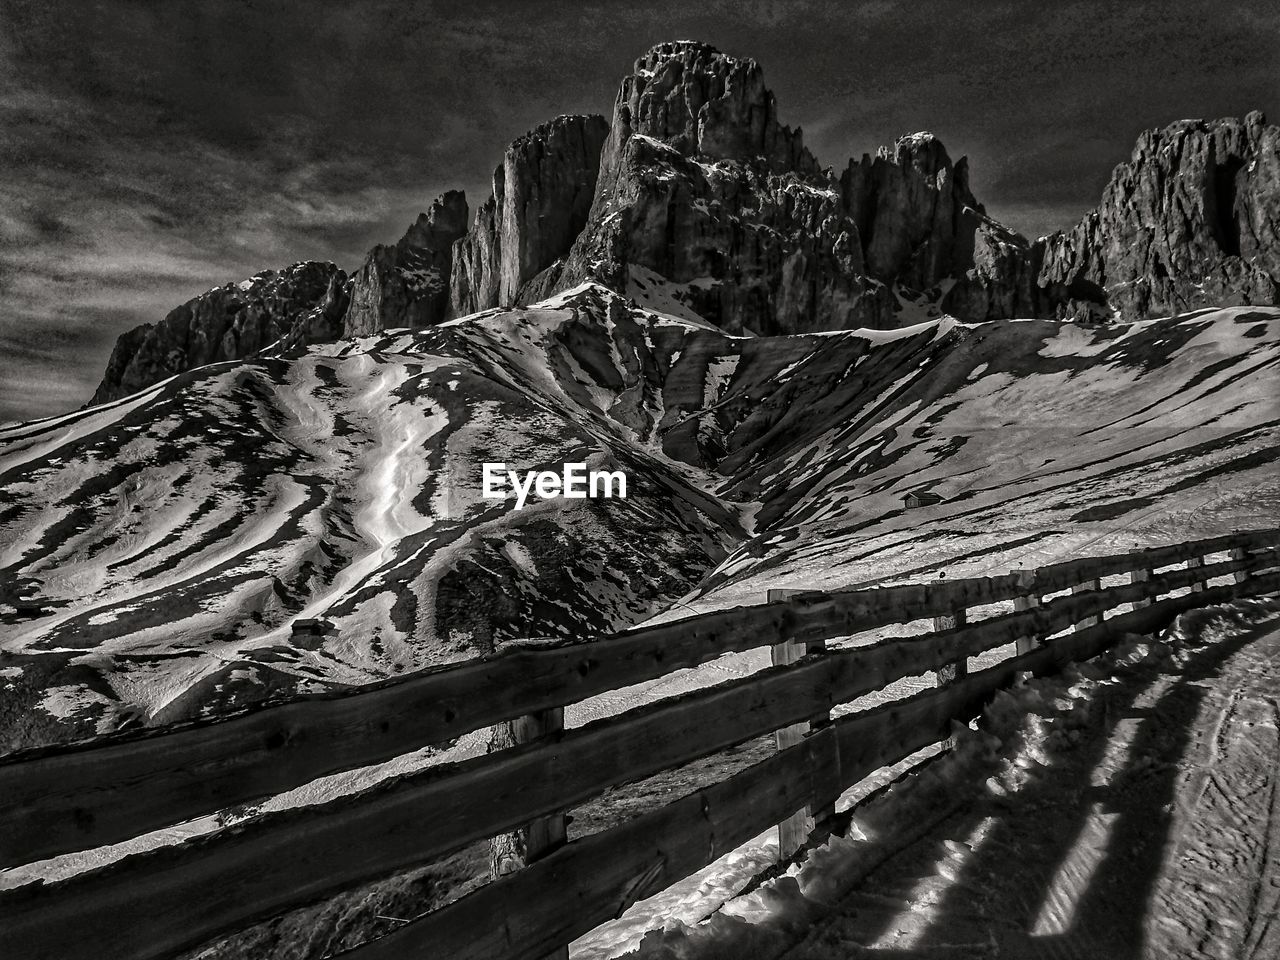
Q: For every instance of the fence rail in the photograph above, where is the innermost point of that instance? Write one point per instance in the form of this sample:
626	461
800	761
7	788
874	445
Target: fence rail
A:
76	798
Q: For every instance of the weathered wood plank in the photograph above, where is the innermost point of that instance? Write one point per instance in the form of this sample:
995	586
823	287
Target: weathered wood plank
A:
1264	558
597	878
74	798
1061	576
139	907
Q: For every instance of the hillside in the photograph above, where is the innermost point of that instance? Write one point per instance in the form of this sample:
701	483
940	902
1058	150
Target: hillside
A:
176	536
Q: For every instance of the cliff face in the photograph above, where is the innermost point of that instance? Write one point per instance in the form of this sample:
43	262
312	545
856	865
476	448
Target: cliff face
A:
302	303
706	203
924	232
407	284
703	103
542	192
1192	219
401	285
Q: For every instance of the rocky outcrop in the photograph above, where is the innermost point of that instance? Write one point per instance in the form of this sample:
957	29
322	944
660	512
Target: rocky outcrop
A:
401	285
326	321
924	232
1192	219
703	103
738	246
407	284
303	302
695	200
999	281
706	203
542	192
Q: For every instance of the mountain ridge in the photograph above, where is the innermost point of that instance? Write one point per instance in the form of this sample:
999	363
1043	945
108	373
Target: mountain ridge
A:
696	199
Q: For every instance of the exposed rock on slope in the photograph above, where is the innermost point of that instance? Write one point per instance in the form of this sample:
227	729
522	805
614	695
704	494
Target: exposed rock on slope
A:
402	285
303	302
407	284
1192	219
542	191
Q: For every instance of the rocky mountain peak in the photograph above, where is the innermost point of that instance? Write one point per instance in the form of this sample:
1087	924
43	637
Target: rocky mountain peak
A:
706	103
442	223
1191	219
229	322
695	200
407	284
926	155
542	193
913	209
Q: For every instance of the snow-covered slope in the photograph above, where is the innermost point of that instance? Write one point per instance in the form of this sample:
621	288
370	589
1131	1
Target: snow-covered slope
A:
1044	439
176	535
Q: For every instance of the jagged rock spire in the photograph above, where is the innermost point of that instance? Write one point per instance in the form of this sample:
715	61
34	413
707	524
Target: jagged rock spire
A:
407	284
542	192
706	103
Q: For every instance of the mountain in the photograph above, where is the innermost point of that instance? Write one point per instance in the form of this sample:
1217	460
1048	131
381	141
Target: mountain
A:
401	285
1191	220
708	205
774	352
695	200
542	192
302	303
178	535
407	285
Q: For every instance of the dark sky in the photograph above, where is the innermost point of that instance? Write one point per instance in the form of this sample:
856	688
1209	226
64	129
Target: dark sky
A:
152	150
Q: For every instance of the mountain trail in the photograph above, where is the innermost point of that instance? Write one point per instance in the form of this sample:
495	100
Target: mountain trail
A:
1152	834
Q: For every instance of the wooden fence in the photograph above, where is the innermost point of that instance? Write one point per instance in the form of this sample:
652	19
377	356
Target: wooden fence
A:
158	903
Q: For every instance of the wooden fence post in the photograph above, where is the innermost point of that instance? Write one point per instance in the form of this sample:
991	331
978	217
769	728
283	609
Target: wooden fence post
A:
959	669
1026	602
1141	576
510	852
795	830
1193	564
956	670
1086	587
1240	553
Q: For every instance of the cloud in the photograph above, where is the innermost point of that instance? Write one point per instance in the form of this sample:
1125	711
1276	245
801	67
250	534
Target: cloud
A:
151	151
